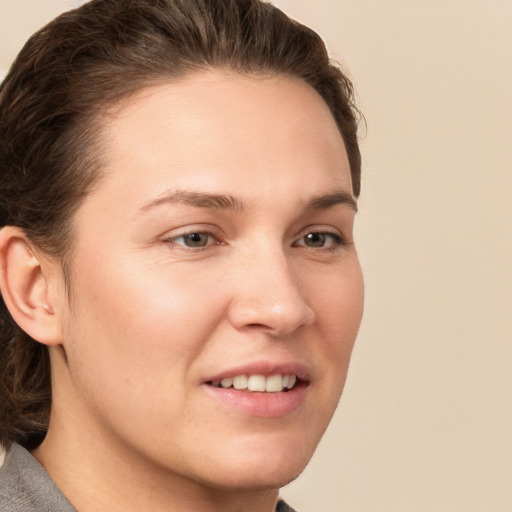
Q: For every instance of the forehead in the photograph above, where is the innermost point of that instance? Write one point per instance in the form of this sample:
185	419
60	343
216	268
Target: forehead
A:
212	130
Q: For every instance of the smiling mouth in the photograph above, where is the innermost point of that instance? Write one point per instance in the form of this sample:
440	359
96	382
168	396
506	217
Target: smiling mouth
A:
258	383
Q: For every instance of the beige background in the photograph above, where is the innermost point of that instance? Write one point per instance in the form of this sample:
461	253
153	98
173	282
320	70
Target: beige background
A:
425	424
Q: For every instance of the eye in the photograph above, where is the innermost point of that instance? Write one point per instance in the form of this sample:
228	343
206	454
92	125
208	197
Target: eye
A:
197	239
320	240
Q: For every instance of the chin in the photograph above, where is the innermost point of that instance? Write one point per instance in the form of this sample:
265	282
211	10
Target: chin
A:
264	464
262	478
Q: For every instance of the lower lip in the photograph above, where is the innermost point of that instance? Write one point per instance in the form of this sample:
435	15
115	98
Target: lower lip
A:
266	405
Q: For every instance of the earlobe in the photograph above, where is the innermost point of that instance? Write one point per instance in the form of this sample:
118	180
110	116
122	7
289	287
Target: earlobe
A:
24	283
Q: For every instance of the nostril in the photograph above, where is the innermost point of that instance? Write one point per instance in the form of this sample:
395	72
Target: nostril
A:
257	326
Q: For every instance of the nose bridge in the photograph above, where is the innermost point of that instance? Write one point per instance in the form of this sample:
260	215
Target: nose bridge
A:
269	293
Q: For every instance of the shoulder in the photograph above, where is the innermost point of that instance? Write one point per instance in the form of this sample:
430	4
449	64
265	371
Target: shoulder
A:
12	497
282	506
26	487
11	485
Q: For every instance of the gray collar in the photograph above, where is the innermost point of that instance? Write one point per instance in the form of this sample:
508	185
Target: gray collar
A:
26	487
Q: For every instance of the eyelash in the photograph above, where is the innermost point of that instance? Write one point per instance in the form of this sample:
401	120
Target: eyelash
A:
209	234
336	239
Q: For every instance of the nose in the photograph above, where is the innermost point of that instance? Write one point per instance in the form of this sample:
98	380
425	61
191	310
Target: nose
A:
269	296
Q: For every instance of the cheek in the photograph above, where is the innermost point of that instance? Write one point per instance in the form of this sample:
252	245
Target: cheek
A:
338	299
339	311
135	332
154	305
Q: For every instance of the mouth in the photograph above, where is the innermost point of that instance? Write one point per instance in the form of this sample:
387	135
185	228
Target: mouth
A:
276	383
261	391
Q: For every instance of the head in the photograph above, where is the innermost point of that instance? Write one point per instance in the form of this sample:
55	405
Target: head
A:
86	73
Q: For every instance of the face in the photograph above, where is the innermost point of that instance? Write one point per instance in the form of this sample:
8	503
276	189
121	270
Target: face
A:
216	290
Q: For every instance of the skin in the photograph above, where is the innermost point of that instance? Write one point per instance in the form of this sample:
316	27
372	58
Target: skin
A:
150	318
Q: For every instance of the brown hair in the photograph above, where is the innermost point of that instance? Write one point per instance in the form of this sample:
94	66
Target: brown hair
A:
51	100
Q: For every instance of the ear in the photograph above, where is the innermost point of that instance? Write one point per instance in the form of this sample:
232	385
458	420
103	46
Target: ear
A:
25	278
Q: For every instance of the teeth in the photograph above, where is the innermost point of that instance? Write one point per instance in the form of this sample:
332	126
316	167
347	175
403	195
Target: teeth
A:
258	383
289	381
240	382
227	382
274	383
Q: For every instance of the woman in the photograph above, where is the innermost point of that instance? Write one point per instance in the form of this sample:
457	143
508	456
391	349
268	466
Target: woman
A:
180	283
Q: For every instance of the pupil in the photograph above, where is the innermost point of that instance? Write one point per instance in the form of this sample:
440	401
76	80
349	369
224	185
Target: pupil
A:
315	239
196	239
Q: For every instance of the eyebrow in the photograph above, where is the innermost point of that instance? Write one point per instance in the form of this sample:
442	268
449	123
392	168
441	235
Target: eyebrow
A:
198	200
330	200
232	203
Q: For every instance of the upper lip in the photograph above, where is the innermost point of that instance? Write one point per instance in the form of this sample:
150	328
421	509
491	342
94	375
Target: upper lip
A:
265	368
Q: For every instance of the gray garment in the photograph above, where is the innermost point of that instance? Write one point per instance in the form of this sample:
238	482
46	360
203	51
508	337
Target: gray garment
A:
26	487
282	506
